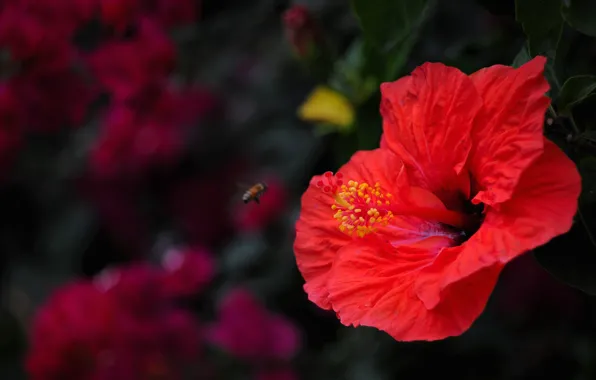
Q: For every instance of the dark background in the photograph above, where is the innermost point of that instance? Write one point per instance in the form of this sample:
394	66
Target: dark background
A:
56	224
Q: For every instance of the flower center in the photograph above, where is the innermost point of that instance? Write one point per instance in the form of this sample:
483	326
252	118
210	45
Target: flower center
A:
361	208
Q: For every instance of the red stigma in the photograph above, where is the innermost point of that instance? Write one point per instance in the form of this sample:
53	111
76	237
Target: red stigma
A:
330	183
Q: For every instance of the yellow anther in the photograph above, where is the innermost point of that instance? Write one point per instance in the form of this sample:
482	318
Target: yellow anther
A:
353	201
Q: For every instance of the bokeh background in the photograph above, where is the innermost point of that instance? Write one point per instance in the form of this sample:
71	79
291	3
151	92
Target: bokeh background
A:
128	136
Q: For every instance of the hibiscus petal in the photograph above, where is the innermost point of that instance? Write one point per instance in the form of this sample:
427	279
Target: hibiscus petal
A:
542	207
427	120
374	286
509	136
318	237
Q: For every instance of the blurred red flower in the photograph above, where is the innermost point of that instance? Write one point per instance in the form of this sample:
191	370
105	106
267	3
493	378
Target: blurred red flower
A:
149	131
127	68
70	332
168	13
253	216
410	238
121	327
302	30
249	331
189	271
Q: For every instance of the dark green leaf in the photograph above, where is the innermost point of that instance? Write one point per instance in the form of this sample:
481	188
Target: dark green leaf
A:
387	22
542	24
580	14
522	57
350	75
391	30
575	90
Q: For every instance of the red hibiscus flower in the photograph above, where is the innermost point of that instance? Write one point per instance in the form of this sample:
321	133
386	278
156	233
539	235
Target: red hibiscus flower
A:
410	238
247	330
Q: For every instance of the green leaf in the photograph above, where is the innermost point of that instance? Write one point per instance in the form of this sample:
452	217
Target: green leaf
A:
387	22
574	91
542	24
580	14
350	76
522	57
391	29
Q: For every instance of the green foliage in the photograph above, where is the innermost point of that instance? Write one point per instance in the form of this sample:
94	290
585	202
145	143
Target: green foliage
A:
390	30
350	76
543	30
386	23
522	57
580	14
542	23
575	90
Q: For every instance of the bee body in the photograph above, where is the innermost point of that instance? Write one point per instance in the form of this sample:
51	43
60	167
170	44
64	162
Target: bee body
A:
254	192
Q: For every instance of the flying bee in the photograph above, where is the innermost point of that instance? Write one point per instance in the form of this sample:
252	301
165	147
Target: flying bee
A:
254	192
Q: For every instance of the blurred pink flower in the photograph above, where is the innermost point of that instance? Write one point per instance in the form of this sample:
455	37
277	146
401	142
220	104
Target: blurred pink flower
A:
22	34
253	216
32	28
120	327
173	12
138	288
277	374
119	14
302	30
127	68
247	330
188	271
168	13
70	332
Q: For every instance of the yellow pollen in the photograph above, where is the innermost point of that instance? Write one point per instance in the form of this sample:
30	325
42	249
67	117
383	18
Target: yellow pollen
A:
354	201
